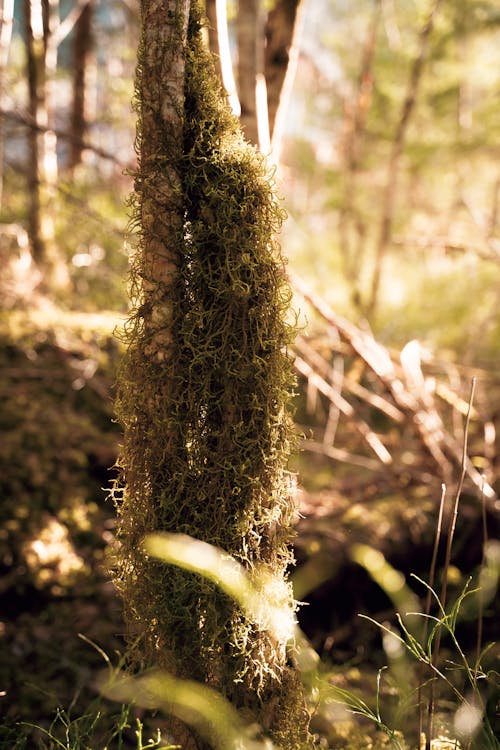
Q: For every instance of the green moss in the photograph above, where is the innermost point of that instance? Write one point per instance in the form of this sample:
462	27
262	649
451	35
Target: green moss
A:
207	432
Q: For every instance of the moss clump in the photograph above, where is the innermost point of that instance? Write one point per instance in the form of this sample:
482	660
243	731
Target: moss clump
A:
207	433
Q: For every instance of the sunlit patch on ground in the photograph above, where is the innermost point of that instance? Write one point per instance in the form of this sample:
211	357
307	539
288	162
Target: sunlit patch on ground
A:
51	557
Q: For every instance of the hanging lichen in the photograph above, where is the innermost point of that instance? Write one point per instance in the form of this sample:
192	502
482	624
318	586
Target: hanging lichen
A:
203	397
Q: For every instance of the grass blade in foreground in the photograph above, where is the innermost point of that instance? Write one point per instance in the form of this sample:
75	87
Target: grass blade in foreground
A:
202	708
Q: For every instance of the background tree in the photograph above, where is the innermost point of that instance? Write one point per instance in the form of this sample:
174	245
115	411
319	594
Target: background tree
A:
264	41
281	25
249	34
338	207
34	31
44	30
386	218
82	50
6	22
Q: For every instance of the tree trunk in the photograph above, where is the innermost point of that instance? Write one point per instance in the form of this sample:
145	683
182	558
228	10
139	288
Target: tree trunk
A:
266	48
279	35
41	19
82	50
221	51
35	65
204	387
7	17
46	111
213	34
153	352
249	33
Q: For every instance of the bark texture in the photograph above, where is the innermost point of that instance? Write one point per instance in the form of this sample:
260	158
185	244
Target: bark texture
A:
160	98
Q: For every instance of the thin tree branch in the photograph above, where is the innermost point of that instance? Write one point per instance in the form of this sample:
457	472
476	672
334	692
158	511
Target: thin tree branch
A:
66	26
449	245
27	120
322	366
337	454
345	407
213	35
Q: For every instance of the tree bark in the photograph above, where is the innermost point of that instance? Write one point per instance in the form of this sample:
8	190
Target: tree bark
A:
161	97
159	214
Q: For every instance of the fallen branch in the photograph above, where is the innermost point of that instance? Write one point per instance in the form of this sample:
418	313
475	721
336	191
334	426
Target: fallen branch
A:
345	407
444	448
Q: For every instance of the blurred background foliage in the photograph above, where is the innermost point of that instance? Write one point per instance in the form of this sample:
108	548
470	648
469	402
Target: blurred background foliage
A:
389	169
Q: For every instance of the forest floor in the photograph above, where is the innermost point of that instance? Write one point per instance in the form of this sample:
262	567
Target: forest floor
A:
61	624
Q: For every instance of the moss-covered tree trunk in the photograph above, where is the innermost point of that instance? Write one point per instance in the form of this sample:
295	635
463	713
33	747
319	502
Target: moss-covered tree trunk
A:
204	387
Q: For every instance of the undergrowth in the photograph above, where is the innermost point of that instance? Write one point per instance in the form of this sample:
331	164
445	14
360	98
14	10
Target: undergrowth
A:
95	729
458	691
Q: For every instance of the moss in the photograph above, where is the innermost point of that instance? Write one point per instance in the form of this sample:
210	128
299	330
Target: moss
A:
207	431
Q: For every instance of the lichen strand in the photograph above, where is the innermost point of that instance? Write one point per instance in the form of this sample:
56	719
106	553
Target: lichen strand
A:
207	431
